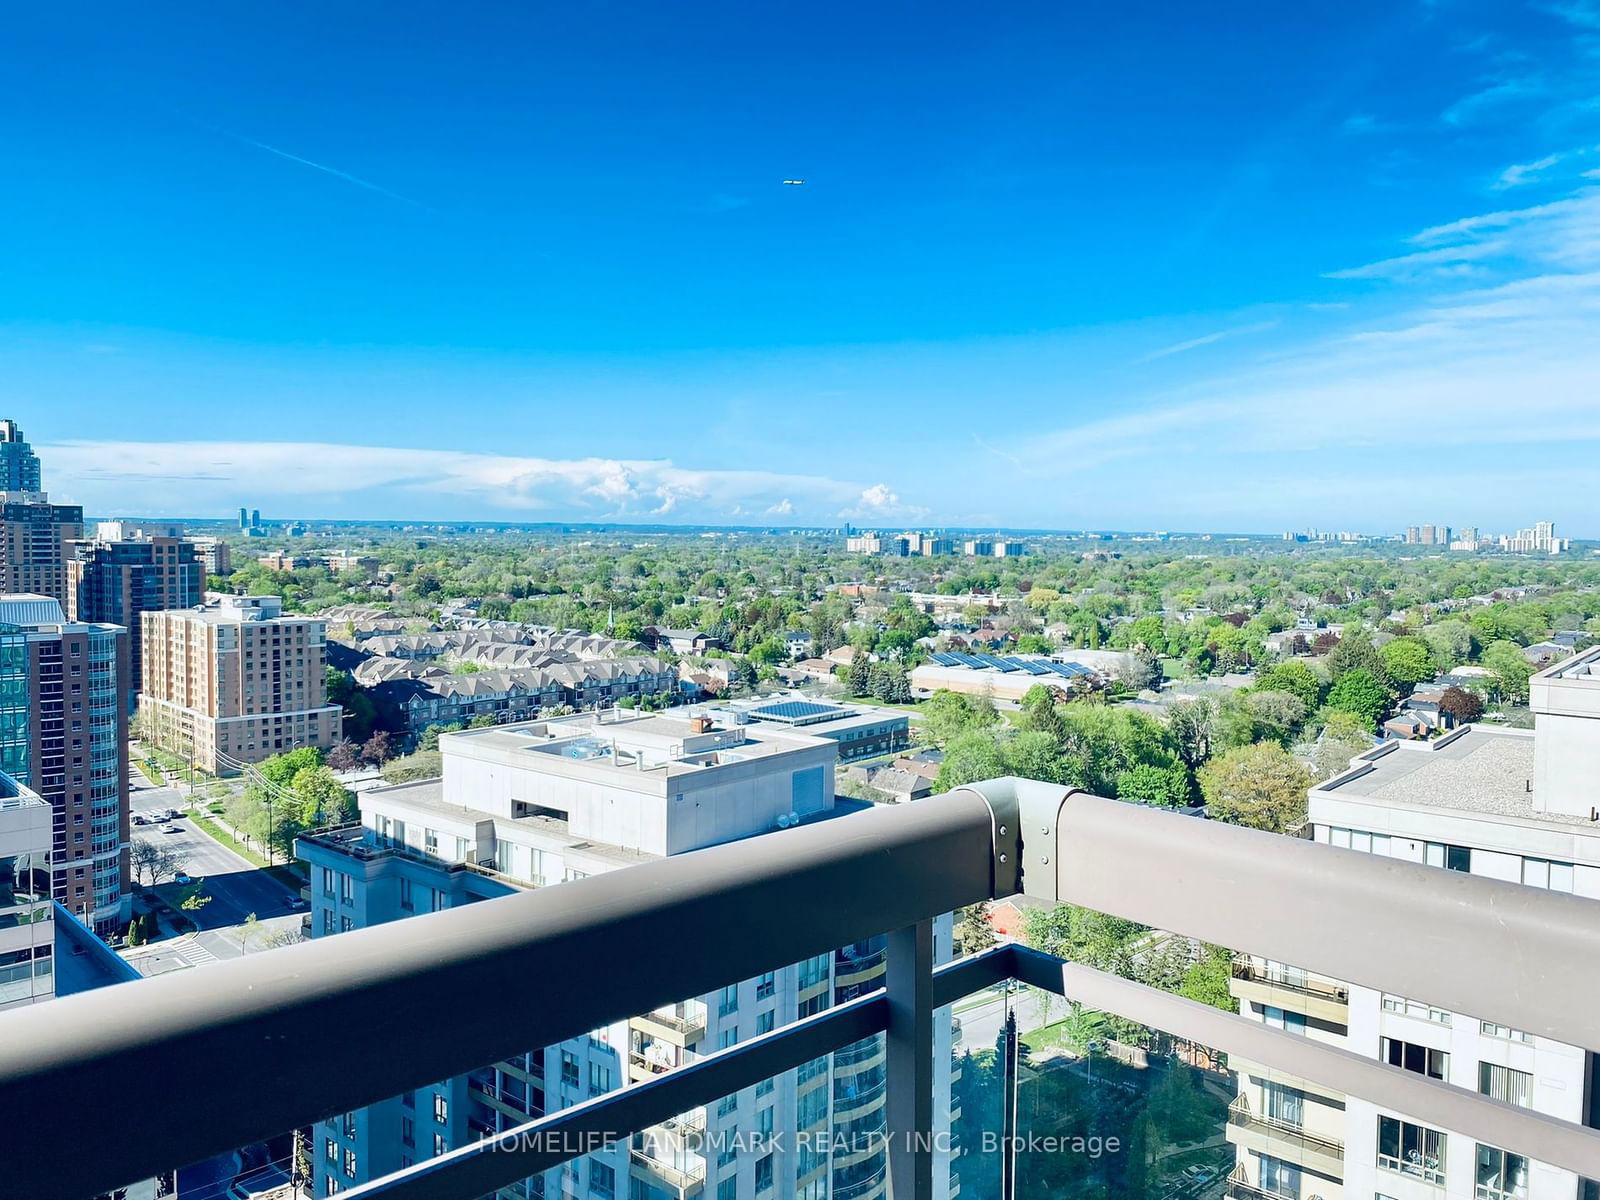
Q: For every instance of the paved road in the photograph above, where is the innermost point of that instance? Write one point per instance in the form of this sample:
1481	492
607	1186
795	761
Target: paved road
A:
980	1024
236	887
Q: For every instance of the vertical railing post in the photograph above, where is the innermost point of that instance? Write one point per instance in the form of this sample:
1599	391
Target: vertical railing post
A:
909	1058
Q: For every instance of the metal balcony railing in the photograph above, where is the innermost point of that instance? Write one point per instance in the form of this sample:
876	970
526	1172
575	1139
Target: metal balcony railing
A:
612	946
1239	1114
1274	975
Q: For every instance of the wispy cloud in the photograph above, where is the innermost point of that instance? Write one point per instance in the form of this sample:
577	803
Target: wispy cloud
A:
325	168
1475	106
1483	367
1208	339
1520	173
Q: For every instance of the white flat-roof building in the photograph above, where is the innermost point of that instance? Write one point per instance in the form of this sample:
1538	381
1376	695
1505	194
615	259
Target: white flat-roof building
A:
1510	804
546	802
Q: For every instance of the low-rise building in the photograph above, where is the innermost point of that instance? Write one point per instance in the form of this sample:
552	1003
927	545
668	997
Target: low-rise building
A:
550	803
861	731
681	641
420	695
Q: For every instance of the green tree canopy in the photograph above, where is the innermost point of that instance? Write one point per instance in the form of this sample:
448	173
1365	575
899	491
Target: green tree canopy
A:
1360	693
1262	786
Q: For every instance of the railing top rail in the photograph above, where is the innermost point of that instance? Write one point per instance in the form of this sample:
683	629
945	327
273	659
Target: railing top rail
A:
773	900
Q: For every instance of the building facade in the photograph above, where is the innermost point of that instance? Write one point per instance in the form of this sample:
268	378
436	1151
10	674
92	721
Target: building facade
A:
35	544
1509	804
19	465
64	733
235	681
118	580
549	803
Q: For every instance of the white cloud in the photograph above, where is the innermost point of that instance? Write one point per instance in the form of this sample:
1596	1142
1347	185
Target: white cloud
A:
1208	340
782	508
1493	371
1521	173
196	477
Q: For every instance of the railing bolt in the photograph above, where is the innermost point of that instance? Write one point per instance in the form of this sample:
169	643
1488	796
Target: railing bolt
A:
1002	858
1044	860
1002	831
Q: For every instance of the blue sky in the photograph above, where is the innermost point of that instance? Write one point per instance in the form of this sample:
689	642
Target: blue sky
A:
1059	266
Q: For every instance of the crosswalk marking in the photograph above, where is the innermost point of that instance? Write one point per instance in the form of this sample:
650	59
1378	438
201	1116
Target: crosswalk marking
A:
196	955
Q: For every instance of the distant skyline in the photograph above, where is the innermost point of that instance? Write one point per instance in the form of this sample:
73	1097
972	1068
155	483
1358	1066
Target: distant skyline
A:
1132	269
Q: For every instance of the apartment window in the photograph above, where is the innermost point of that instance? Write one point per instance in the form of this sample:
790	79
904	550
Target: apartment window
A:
345	924
728	1037
728	1189
811	1007
330	1151
1501	1176
1505	1083
726	1105
1542	873
430	840
1410	1056
729	1150
1279	1178
569	1069
408	1131
327	921
331	1186
327	881
1411	1149
1451	858
1490	1029
440	1146
766	1021
764	1174
599	1079
441	1108
1289	1022
764	1088
728	1001
405	895
1357	839
1282	1103
349	1164
408	1099
347	889
1415	1008
348	1124
766	985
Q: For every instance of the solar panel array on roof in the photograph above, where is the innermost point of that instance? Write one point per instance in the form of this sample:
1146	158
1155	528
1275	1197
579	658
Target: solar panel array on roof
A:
1070	670
1031	666
948	660
998	664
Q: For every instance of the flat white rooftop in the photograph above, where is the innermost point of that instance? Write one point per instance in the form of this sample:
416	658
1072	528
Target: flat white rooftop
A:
1479	769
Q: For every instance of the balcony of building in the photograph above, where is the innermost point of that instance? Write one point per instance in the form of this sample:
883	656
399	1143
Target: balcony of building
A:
681	1024
1274	984
441	995
1285	1140
686	1176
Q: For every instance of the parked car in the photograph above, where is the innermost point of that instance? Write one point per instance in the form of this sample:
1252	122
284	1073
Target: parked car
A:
299	904
170	829
183	877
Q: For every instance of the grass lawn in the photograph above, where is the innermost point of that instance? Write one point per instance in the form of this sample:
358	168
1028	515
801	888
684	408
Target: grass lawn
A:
217	833
1048	1037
